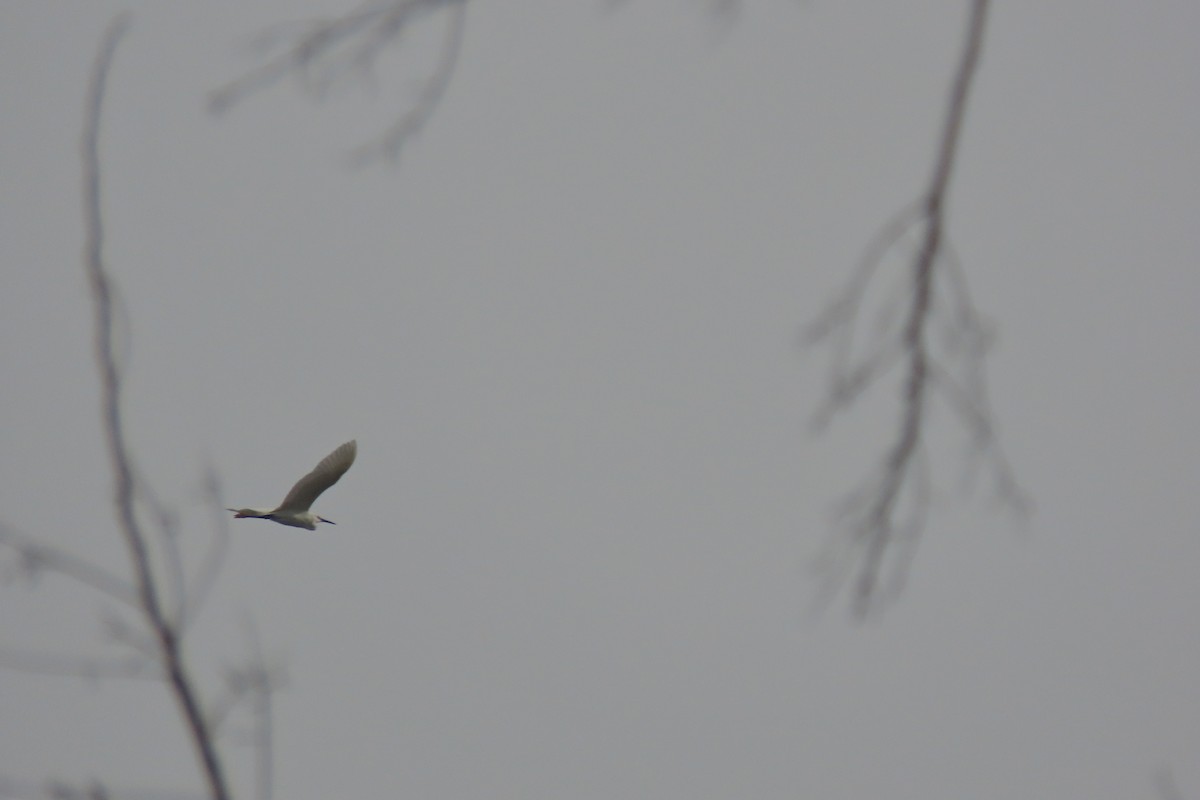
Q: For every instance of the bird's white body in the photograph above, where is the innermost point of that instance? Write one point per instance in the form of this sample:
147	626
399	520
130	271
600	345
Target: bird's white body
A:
294	510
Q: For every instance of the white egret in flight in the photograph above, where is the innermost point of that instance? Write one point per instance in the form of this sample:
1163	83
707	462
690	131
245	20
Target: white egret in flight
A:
294	508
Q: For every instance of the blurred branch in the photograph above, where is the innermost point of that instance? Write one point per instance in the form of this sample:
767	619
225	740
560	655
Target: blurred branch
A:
886	515
166	524
58	790
1165	785
321	52
255	683
206	575
35	558
62	791
265	681
412	121
131	667
168	642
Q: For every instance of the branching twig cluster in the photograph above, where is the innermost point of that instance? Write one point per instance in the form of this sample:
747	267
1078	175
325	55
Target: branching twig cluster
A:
150	613
930	331
321	53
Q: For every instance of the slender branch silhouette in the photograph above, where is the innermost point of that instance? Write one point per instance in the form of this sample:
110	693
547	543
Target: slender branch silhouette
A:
168	642
153	609
886	515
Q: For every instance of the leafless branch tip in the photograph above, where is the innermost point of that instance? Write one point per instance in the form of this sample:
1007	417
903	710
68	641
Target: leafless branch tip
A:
322	53
930	332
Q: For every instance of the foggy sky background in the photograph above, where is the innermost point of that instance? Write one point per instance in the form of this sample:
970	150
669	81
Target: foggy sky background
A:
572	558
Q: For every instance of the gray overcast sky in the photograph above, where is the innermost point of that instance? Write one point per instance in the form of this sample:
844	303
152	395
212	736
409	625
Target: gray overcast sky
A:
571	559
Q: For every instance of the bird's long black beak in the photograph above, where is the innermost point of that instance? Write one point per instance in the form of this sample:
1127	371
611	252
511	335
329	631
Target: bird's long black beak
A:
331	522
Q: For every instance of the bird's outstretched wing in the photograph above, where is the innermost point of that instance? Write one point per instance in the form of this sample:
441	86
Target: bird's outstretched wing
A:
326	474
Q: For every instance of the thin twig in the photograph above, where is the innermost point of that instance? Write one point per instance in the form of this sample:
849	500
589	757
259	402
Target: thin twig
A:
256	682
412	121
56	664
36	557
320	52
166	524
263	718
12	789
312	41
206	575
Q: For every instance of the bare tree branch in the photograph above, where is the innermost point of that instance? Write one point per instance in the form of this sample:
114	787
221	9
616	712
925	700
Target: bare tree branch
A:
890	509
55	664
169	644
266	681
836	322
322	52
36	557
206	575
412	121
256	684
58	790
166	526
